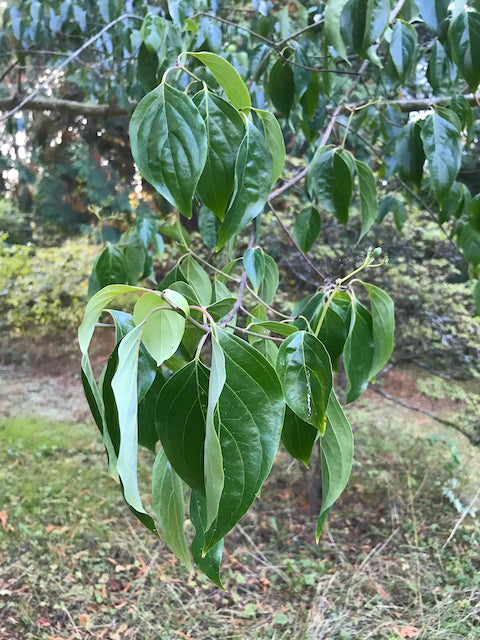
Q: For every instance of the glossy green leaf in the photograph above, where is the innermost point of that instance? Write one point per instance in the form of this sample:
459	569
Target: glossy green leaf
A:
469	241
124	386
460	105
220	309
383	327
208	226
298	437
439	68
169	144
280	328
168	505
367	189
225	129
306	228
305	371
213	458
95	306
271	280
198	279
433	12
330	181
164	326
358	353
210	562
409	153
301	75
474	212
403	48
274	137
334	329
253	178
147	229
180	417
227	77
396	206
454	204
281	87
250	419
464	40
337	458
476	297
443	150
333	14
254	265
111	267
147	423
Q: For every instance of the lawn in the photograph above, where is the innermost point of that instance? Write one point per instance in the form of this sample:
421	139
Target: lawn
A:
399	559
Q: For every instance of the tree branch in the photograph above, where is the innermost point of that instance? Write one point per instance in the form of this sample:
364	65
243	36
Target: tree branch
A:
62	106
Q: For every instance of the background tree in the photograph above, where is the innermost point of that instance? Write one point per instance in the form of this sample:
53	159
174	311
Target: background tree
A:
367	93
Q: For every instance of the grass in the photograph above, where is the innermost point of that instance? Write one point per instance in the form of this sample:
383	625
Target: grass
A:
74	564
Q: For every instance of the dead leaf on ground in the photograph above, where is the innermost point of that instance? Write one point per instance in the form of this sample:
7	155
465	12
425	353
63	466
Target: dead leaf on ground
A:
409	631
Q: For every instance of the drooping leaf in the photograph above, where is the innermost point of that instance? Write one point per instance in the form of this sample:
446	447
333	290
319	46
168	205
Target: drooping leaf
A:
409	153
298	436
198	279
443	150
301	75
168	505
281	87
305	371
464	40
208	226
439	67
403	48
469	241
383	327
124	386
227	77
181	411
334	329
306	228
337	457
164	325
271	280
253	178
147	422
210	562
250	419
368	196
111	267
433	12
330	181
225	131
396	206
476	297
213	457
254	265
358	353
474	212
169	144
462	108
274	137
333	33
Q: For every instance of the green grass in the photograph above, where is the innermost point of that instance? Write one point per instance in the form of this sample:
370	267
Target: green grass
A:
75	564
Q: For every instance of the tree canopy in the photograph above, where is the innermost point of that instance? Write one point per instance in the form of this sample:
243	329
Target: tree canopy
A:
189	105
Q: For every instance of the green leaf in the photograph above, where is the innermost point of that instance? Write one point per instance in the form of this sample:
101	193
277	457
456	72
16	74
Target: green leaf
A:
280	328
124	386
281	87
198	279
220	309
333	33
250	418
95	306
474	212
358	353
225	131
298	437
164	326
454	204
462	108
168	505
147	429
443	149
213	458
227	77
464	40
330	181
254	265
147	229
207	226
368	196
169	144
433	12
403	48
469	241
383	327
271	280
253	178
334	329
274	137
439	67
306	228
305	371
476	298
397	207
210	562
301	76
337	458
111	267
180	417
409	153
